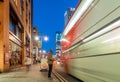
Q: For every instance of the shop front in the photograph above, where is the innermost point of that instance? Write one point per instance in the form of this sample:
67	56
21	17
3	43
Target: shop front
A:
15	52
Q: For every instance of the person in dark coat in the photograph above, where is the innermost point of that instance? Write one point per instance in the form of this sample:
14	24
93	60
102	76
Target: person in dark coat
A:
50	63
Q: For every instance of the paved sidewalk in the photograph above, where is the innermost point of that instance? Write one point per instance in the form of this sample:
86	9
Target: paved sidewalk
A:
34	75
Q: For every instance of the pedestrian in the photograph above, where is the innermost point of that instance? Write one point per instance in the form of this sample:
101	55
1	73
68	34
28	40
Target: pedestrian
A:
50	63
28	63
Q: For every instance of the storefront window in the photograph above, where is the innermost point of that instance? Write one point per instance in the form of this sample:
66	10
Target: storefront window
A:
15	54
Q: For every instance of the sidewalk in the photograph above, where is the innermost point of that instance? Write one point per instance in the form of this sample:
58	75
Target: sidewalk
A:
34	75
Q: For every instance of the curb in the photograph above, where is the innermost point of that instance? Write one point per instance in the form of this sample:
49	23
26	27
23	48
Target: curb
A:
59	77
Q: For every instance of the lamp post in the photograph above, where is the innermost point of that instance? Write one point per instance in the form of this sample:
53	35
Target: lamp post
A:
42	38
36	38
40	44
46	38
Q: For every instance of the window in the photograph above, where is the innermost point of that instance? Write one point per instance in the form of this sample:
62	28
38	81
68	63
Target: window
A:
15	54
18	33
21	7
12	25
15	28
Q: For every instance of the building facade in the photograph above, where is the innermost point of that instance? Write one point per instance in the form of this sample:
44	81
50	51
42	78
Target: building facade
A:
35	40
58	45
68	14
15	33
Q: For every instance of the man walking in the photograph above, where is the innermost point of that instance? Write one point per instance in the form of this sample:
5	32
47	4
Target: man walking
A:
50	63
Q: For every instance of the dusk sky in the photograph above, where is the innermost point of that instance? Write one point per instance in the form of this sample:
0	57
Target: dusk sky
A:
48	17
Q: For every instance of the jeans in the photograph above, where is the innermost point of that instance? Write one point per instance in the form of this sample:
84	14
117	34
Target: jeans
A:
50	70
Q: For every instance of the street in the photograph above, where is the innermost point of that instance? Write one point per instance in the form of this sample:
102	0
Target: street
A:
20	75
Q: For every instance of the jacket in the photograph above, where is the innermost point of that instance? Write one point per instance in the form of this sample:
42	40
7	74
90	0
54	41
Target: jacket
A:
50	58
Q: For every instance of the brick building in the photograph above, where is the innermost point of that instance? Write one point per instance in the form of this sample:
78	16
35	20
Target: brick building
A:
35	40
15	33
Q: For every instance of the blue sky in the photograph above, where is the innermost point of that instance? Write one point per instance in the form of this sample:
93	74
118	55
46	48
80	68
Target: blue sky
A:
48	17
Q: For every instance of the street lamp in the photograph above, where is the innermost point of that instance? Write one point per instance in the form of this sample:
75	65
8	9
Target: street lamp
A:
37	38
46	38
42	53
43	38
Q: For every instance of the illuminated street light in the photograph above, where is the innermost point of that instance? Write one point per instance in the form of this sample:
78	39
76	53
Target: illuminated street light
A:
40	51
46	38
44	51
42	38
36	38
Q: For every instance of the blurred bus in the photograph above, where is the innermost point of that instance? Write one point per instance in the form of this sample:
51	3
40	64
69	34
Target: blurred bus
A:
91	38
